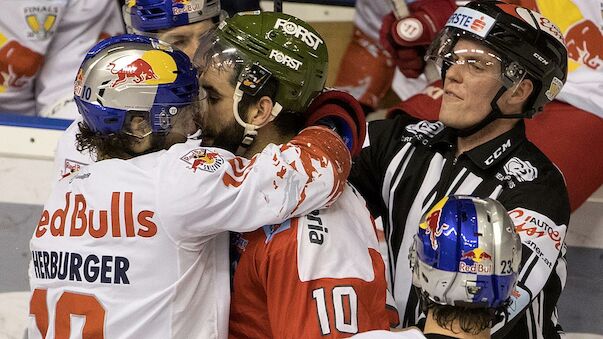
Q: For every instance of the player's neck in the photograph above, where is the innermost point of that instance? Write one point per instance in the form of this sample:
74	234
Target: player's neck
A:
431	326
489	132
268	134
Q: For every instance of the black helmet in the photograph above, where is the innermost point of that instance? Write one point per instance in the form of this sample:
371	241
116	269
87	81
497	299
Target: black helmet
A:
530	46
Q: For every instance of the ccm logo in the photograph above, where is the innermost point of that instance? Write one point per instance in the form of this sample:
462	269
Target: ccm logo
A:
541	59
499	151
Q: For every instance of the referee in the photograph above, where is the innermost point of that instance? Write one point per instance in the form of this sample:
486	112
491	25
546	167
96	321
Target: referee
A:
500	64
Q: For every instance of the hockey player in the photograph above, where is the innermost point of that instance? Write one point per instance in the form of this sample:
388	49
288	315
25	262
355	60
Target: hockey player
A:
465	262
134	245
176	22
319	275
41	46
500	63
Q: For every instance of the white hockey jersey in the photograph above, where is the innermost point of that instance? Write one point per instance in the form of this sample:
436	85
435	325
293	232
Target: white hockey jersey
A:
67	159
581	22
138	248
42	44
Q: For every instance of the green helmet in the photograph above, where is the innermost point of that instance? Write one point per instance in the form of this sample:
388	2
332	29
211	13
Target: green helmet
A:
271	44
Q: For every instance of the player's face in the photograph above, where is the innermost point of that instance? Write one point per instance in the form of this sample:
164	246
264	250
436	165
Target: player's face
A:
468	90
219	127
186	38
185	123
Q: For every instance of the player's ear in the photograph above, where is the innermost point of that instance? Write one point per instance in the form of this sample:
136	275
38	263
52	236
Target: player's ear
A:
261	112
139	127
521	92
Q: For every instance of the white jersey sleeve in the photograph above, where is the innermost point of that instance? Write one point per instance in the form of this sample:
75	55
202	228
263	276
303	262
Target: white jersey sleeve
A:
208	190
84	23
42	43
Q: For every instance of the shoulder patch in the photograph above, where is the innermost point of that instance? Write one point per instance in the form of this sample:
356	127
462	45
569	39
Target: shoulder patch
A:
202	159
71	166
424	130
521	170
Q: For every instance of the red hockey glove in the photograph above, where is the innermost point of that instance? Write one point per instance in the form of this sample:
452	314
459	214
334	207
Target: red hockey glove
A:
342	112
407	39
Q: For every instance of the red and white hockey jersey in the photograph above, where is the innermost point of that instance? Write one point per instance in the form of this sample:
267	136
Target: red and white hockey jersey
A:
138	248
315	276
42	44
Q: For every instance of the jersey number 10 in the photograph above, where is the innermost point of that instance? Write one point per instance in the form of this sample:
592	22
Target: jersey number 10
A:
69	303
346	320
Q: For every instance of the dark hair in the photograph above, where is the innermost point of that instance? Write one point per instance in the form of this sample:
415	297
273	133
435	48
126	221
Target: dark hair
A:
103	145
470	319
114	145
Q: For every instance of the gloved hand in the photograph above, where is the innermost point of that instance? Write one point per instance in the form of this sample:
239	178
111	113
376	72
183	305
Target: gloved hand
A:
407	39
341	112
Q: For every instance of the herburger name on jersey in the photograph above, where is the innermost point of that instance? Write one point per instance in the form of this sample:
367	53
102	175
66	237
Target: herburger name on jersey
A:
76	219
300	32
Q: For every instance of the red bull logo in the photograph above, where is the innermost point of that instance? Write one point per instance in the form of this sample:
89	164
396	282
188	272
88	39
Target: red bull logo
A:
205	159
433	227
583	42
186	6
18	64
202	159
476	261
138	71
70	167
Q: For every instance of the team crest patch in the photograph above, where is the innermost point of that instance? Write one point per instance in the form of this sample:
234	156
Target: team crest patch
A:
41	21
202	159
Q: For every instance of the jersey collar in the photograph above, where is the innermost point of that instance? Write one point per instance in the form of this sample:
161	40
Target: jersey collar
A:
490	153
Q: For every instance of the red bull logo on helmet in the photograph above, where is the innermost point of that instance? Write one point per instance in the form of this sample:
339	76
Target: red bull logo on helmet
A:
186	6
202	159
136	71
476	261
432	225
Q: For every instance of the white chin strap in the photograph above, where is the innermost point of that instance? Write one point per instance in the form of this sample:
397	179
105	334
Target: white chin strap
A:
250	129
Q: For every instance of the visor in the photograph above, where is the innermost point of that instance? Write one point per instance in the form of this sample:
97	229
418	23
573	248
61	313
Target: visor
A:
455	47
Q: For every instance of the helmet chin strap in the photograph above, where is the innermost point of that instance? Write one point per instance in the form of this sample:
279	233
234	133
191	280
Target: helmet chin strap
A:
250	129
494	114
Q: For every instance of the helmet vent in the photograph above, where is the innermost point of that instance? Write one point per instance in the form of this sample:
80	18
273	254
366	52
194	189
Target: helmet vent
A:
152	12
258	49
183	92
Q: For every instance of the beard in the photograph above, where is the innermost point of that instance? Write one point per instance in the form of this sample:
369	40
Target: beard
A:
229	138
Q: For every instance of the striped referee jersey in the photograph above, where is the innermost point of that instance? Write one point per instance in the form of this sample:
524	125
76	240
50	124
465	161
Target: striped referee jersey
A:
408	165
